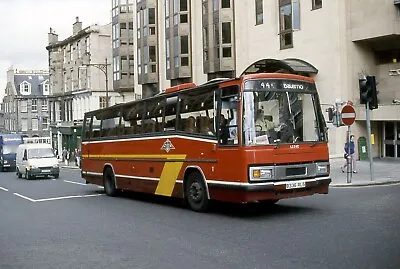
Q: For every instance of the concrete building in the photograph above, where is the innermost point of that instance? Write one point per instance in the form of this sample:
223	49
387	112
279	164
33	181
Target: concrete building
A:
25	102
123	50
80	80
360	38
194	41
2	126
168	48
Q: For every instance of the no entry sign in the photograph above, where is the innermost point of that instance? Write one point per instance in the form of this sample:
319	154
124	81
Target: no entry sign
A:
348	115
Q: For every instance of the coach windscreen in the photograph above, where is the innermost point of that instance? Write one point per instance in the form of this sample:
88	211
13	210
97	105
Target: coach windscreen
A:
281	111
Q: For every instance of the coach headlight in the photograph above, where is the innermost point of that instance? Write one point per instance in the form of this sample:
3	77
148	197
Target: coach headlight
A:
261	173
5	161
323	169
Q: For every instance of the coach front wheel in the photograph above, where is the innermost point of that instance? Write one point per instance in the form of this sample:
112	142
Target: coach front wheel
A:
109	182
196	192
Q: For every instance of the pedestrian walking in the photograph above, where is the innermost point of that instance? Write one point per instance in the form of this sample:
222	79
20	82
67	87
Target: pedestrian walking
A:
77	155
350	158
64	154
68	155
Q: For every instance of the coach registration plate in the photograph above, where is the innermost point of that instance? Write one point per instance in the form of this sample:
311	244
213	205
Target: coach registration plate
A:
295	185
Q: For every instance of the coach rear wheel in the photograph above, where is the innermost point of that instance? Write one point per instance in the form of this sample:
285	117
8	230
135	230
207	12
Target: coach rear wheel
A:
196	192
109	182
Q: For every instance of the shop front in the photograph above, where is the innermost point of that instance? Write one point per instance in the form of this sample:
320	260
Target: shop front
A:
66	135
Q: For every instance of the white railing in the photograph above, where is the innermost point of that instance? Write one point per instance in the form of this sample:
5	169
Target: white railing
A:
43	139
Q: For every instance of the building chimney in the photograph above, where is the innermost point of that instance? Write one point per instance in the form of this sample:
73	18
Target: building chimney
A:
52	37
77	26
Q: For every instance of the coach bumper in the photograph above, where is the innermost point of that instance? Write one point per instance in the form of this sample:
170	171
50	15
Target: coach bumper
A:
247	192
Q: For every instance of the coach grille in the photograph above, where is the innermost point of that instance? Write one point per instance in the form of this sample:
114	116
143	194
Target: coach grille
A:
296	171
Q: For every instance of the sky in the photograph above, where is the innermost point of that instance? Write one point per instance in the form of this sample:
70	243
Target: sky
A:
24	25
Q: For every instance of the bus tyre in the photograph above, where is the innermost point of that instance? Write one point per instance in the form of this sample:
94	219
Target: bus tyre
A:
109	182
19	174
196	192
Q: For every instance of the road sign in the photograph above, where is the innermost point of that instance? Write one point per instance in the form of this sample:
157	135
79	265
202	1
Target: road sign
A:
348	114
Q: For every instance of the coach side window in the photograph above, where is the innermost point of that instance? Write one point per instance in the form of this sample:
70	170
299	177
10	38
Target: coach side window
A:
86	128
170	114
110	122
132	116
197	112
95	127
152	122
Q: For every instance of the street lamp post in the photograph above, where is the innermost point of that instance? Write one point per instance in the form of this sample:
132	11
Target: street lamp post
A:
104	69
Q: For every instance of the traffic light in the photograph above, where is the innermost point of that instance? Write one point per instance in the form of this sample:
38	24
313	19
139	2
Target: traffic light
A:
373	104
334	116
331	114
368	93
363	90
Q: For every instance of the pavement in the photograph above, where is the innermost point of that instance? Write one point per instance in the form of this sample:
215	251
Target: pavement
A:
386	171
71	165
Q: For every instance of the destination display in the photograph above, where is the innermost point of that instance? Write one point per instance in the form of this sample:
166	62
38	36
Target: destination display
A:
280	85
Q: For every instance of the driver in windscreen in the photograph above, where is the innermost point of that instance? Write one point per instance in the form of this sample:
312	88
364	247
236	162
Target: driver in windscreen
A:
263	122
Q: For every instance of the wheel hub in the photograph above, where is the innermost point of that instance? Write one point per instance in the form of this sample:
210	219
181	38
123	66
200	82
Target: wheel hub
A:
196	192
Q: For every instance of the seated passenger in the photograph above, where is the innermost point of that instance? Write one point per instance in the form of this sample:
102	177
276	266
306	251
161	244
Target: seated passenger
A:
190	125
203	123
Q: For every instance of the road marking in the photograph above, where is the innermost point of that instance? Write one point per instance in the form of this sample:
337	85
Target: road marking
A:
93	195
68	197
77	183
83	184
57	198
24	197
4	189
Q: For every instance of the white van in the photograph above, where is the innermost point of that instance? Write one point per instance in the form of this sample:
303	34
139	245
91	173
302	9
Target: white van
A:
36	160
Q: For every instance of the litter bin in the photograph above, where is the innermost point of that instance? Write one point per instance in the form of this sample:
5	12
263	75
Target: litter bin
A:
362	148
